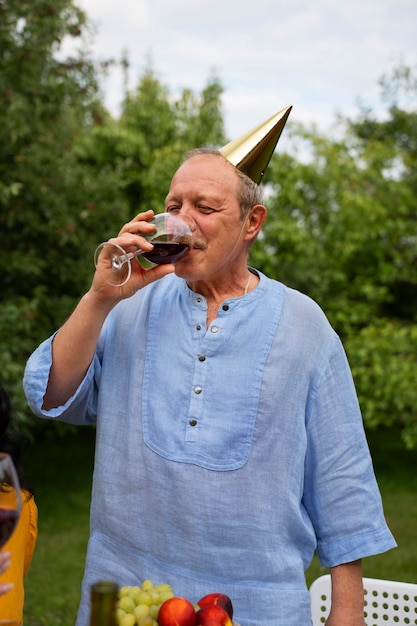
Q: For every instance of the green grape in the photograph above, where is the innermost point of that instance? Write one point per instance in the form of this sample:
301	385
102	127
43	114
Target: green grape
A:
127	620
119	614
163	587
139	604
127	604
141	610
134	592
147	585
154	611
124	591
145	621
144	597
155	595
166	595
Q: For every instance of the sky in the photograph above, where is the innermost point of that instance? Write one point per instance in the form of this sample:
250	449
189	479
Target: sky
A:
323	57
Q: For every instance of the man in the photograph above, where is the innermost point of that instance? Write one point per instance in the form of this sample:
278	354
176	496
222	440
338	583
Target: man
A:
229	443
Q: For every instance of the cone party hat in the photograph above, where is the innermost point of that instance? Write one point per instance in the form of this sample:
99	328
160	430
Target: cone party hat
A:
251	152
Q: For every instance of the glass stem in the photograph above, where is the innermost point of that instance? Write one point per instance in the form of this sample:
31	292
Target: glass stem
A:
118	260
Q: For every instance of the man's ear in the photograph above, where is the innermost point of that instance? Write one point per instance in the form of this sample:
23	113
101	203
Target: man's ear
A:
255	220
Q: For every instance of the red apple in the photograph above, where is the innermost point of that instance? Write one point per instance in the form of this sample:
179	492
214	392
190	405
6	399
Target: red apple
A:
213	615
177	612
221	599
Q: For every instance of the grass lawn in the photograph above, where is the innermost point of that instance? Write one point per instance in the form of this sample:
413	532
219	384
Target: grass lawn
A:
61	471
62	474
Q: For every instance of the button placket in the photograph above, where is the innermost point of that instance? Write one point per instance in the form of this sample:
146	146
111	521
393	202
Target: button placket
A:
198	313
202	341
197	391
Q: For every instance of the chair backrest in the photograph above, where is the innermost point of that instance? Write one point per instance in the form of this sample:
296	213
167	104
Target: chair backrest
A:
387	602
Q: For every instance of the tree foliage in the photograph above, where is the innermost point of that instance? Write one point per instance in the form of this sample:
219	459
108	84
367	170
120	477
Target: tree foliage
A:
342	228
71	175
44	101
342	217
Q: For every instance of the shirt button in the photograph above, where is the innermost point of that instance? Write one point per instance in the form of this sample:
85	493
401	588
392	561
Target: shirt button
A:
192	422
201	357
198	390
214	329
225	307
198	300
198	327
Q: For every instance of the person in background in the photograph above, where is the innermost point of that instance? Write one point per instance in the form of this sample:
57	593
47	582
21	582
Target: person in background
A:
17	553
230	445
4	565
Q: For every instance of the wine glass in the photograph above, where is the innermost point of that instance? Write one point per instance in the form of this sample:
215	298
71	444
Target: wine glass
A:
10	498
171	239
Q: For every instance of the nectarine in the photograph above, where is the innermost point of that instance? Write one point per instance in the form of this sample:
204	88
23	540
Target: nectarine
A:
221	599
177	611
213	615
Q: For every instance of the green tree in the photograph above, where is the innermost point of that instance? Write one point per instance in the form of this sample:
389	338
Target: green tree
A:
70	174
147	143
342	228
47	207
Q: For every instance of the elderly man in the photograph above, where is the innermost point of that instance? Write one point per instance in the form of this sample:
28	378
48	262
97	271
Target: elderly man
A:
230	443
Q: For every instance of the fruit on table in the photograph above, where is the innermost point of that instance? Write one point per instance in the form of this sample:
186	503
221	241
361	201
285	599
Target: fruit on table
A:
177	611
156	605
141	603
128	619
220	599
213	615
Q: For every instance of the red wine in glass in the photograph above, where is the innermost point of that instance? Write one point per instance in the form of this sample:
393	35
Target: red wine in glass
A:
8	521
171	239
166	252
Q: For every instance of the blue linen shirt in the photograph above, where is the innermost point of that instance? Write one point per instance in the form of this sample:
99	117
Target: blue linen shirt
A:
225	455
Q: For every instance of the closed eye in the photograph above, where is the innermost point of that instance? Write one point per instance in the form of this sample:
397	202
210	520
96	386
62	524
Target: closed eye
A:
205	209
201	208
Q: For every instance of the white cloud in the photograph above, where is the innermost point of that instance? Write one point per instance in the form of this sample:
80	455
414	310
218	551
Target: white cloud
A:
321	57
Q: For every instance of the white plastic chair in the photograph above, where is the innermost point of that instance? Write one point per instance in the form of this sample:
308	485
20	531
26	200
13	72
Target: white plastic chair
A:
387	602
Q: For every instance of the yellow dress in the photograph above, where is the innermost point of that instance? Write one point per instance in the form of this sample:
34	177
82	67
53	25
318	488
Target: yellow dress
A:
21	545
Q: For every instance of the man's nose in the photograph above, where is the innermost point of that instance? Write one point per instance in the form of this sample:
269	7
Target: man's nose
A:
186	214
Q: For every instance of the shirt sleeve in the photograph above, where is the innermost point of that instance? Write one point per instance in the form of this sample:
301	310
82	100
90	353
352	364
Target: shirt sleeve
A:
341	493
80	408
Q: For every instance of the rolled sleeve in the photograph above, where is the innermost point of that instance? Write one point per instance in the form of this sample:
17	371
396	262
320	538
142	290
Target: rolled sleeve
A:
341	492
79	408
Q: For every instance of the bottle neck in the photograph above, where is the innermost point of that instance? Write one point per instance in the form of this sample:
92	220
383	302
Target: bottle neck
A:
104	595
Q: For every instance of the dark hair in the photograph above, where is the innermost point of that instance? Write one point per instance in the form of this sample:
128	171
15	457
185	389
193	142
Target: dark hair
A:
11	440
249	192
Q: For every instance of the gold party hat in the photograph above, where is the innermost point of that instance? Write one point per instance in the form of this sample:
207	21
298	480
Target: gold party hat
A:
252	151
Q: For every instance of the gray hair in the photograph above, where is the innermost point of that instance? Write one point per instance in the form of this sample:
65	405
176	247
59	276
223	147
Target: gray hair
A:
249	192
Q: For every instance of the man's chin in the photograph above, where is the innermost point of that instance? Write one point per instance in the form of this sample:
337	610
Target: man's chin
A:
186	269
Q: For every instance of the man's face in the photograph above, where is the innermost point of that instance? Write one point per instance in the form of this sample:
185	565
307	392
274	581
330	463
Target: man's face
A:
205	188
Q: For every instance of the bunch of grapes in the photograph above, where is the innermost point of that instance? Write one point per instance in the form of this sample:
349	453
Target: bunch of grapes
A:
139	605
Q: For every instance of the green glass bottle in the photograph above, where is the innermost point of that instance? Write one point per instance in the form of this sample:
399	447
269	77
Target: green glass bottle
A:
104	596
